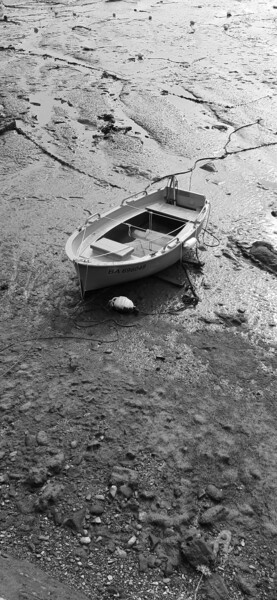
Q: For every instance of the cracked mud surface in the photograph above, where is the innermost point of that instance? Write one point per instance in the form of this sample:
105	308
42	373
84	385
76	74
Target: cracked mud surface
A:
127	439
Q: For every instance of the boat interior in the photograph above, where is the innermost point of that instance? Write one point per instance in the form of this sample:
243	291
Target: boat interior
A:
142	234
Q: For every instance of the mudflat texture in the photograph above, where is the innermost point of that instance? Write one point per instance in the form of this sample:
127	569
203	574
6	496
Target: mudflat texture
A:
20	579
138	452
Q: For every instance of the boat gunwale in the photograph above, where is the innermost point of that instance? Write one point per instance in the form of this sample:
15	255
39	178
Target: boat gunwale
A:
146	200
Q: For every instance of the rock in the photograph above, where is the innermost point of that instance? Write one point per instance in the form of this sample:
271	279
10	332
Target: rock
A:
223	541
56	462
197	552
216	589
30	440
147	494
158	519
130	455
216	513
143	563
215	493
76	520
131	542
152	561
171	548
246	509
270	528
97	520
113	491
57	517
49	495
85	540
120	552
96	508
124	475
247	588
51	491
25	507
154	541
126	491
265	254
209	167
199	419
181	519
42	438
37	476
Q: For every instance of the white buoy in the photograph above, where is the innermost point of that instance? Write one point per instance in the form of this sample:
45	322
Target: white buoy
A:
190	243
122	304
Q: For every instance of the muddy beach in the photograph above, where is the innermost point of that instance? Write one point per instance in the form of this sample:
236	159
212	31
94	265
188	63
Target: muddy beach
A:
138	452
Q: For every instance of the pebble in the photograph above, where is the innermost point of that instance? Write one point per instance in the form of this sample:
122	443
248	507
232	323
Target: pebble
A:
113	491
120	552
85	540
97	520
126	491
42	438
143	563
131	542
37	476
56	463
96	508
214	493
213	514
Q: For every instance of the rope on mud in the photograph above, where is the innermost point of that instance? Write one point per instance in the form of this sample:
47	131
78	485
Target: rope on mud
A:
214	158
213	236
54	337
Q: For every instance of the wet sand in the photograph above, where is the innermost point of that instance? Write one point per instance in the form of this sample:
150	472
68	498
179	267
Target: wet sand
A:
187	85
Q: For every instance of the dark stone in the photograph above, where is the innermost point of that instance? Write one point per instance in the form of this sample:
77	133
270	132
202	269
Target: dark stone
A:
56	463
265	253
75	521
197	552
152	561
57	517
143	563
37	476
147	494
25	507
169	567
154	541
209	167
130	455
97	508
126	491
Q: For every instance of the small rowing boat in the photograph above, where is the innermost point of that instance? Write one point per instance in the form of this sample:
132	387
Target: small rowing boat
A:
143	236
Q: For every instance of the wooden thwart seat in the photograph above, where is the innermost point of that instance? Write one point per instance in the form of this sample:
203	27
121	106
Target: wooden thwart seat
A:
173	210
106	246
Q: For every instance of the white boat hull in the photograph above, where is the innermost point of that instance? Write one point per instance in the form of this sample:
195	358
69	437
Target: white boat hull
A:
113	249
